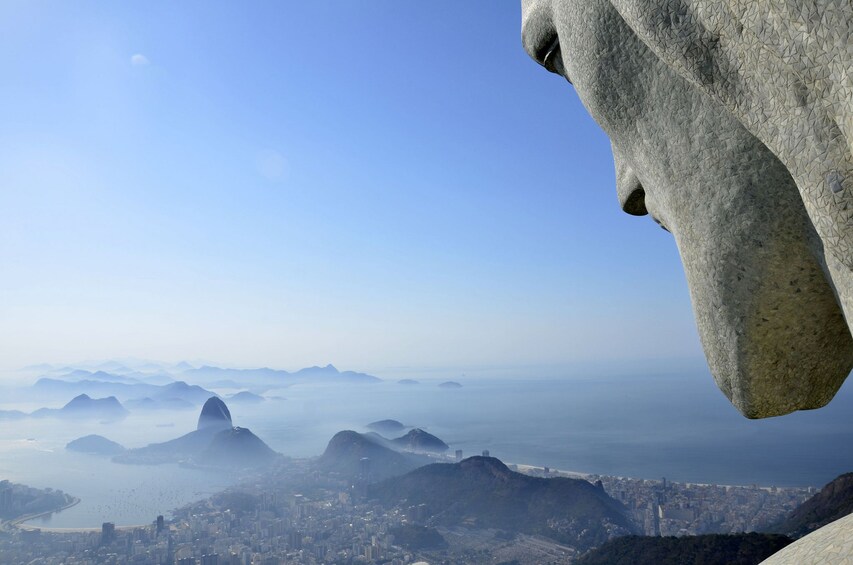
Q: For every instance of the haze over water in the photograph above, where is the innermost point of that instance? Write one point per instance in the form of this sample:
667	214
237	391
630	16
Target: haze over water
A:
645	426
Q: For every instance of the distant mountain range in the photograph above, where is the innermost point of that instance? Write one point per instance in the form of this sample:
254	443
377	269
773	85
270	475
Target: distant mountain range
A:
180	390
147	386
83	406
147	380
278	377
482	492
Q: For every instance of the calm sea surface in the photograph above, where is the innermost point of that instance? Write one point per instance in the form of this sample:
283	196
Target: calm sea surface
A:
643	426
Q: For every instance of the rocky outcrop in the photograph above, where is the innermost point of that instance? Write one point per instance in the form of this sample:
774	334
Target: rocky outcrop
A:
214	414
420	441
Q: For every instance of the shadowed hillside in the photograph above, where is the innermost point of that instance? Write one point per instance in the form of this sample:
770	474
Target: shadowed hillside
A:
345	452
716	549
483	492
834	501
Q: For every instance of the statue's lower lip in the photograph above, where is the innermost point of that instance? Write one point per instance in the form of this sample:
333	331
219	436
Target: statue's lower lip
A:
773	333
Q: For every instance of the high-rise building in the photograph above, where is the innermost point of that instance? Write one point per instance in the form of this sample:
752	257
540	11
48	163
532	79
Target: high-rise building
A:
161	524
459	455
211	559
5	497
486	453
108	533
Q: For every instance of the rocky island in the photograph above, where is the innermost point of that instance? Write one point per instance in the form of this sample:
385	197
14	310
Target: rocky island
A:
386	426
95	444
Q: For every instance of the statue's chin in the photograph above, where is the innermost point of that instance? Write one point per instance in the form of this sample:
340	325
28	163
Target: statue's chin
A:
770	324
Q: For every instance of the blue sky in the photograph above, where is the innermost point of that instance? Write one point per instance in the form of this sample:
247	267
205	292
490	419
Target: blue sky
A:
373	184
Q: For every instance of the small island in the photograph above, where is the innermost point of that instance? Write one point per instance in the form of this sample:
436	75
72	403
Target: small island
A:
408	382
246	397
95	444
450	384
386	426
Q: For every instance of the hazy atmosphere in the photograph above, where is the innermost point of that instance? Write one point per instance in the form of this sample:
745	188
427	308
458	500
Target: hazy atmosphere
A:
345	283
403	188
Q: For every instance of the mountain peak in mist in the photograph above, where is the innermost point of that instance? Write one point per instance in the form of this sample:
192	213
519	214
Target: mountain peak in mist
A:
84	406
214	414
317	370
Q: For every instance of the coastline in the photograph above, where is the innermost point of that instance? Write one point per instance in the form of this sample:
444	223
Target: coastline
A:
527	469
19	521
536	470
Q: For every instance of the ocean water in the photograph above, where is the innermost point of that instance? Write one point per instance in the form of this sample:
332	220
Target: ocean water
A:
32	452
651	426
680	427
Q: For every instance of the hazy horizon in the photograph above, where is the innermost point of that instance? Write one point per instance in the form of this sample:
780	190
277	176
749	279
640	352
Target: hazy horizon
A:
194	181
392	188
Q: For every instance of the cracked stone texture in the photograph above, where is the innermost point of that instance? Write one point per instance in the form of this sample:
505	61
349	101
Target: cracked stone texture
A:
769	290
829	545
783	67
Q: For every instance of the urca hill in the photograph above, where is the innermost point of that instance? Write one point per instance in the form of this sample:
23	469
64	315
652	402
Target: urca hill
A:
215	442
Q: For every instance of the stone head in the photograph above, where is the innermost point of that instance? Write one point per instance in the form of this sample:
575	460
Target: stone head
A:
768	311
